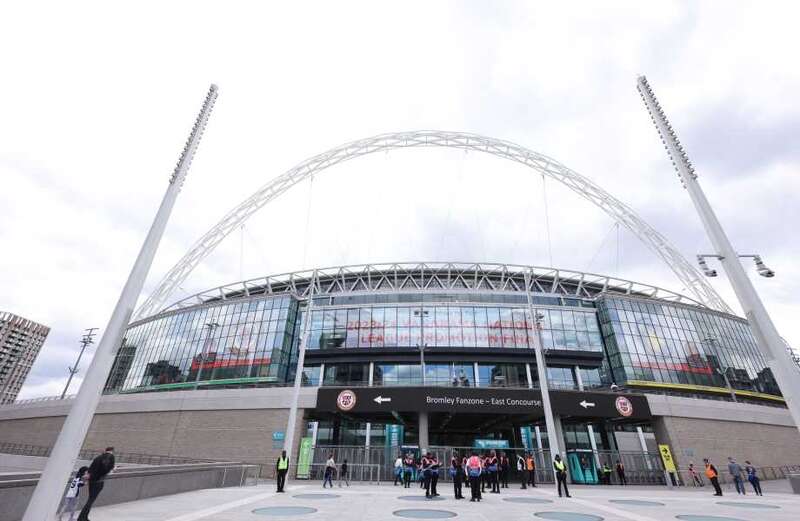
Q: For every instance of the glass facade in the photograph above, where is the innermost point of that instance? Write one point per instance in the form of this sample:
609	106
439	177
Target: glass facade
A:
452	326
251	339
661	342
254	341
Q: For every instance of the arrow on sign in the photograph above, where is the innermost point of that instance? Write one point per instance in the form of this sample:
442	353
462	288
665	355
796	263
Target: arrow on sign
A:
380	399
586	404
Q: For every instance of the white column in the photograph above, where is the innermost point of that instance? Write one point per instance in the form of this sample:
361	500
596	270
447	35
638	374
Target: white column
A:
423	431
477	376
47	494
538	437
643	444
368	434
321	374
528	374
578	378
594	445
371	372
314	431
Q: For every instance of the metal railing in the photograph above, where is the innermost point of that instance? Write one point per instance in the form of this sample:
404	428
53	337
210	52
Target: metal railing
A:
23	449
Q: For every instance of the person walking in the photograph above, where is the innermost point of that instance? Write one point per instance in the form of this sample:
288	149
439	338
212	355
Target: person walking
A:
398	470
505	469
457	473
493	468
697	481
752	477
330	468
281	468
713	476
474	471
522	471
71	498
735	471
561	475
621	473
100	467
343	475
530	466
408	470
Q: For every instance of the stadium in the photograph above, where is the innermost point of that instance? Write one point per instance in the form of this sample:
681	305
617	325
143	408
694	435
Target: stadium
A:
410	355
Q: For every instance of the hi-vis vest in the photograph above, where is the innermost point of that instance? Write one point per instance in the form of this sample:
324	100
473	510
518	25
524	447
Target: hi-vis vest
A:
283	463
710	472
560	465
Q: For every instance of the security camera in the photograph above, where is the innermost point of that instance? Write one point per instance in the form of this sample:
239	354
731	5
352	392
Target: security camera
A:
762	268
703	266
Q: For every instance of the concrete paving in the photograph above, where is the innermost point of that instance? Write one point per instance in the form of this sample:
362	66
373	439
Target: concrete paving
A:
378	502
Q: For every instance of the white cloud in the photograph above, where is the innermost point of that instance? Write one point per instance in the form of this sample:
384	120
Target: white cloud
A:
98	100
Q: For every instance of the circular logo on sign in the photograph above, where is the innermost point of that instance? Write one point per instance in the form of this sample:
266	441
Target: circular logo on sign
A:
624	406
346	400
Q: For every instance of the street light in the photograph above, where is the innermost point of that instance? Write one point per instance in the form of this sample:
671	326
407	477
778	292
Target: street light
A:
211	327
86	341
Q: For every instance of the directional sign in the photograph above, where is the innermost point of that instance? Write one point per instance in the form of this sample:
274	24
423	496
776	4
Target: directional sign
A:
480	400
666	457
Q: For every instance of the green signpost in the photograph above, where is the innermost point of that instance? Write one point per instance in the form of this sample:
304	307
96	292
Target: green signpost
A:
304	459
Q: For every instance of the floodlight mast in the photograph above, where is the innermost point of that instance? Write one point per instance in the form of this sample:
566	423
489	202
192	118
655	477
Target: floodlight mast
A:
47	495
764	331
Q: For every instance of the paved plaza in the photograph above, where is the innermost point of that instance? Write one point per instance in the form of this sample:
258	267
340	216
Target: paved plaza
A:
310	502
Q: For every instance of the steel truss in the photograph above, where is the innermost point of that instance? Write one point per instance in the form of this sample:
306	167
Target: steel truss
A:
688	275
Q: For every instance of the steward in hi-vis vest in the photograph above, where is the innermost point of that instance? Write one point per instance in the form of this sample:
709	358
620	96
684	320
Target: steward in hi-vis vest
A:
281	468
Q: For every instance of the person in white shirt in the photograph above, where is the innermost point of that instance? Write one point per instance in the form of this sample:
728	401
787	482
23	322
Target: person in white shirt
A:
398	470
330	468
71	498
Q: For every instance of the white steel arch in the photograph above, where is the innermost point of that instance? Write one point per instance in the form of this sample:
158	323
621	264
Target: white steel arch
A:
586	188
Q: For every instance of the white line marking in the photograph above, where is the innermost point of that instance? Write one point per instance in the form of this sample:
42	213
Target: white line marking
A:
192	516
599	506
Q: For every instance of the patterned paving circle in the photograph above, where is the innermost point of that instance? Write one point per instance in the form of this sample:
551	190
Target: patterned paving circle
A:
284	511
421	498
526	500
694	517
424	513
636	502
568	516
316	496
743	504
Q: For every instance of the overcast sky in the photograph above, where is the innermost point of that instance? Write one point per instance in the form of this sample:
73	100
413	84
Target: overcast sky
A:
97	102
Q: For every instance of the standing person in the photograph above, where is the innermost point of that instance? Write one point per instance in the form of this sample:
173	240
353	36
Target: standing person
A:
606	473
752	477
561	475
281	468
330	468
530	465
736	473
522	470
457	473
621	473
408	470
343	476
426	470
464	467
505	469
713	476
71	498
100	467
398	470
493	468
697	481
434	474
474	470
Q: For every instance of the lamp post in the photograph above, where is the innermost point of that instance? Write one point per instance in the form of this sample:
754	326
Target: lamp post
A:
50	487
86	341
764	331
541	369
211	326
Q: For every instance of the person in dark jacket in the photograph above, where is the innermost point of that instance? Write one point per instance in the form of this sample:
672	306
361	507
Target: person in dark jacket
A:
98	470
